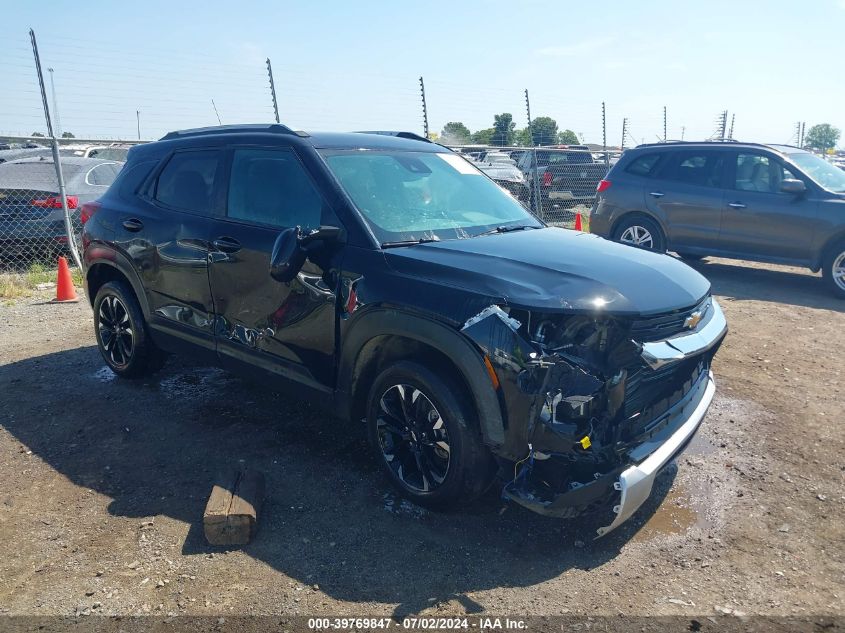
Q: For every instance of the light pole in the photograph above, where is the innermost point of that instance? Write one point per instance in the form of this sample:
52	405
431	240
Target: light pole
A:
55	105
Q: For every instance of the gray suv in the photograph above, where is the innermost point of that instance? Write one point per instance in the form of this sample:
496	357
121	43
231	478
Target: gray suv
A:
769	203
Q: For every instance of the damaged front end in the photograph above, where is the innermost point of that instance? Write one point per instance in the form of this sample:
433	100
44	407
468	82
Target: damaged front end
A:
594	404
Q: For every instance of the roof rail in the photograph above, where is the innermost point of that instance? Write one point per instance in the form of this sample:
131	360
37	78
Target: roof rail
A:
408	135
708	140
272	128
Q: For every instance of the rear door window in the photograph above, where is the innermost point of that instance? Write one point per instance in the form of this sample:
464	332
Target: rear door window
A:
187	181
270	186
700	168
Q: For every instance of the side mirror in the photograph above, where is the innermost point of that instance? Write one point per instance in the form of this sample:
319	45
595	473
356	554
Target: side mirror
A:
791	185
290	250
288	255
324	233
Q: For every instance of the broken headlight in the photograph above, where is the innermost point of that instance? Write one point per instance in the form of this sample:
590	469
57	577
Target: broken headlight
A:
586	356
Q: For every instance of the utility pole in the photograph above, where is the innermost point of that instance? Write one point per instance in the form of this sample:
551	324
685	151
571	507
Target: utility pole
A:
665	126
803	127
624	132
528	114
138	120
273	90
425	110
723	125
57	163
731	132
604	133
683	131
537	202
55	104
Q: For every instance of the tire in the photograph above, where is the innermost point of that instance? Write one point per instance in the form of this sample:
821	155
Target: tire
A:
121	333
692	257
833	269
642	232
429	449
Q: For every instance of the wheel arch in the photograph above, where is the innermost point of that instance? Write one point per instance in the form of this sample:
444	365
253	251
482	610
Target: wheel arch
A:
115	267
641	214
818	259
385	335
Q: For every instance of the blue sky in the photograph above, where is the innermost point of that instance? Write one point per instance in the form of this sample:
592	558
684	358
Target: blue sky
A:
355	65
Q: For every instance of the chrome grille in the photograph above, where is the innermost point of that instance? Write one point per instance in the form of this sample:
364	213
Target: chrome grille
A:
663	326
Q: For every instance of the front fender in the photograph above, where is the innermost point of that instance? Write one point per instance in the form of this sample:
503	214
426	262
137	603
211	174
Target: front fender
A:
380	321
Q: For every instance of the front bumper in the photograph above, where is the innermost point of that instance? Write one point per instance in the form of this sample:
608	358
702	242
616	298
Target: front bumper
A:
635	483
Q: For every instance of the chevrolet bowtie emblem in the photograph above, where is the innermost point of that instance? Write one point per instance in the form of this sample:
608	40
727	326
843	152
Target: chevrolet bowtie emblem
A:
692	320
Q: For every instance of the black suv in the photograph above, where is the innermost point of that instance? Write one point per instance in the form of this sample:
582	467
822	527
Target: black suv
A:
389	280
769	203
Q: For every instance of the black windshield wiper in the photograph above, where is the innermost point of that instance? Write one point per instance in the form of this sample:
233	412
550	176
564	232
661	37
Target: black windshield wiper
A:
507	229
422	240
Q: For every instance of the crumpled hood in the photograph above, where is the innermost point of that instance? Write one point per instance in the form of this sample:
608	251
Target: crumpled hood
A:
555	269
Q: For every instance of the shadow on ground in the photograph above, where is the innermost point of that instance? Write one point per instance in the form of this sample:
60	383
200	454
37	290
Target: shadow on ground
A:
154	447
775	284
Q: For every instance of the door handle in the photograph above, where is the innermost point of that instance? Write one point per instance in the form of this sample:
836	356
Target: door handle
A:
657	194
227	244
736	205
132	224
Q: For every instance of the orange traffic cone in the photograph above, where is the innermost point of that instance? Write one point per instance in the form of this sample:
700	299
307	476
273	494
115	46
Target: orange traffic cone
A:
578	226
65	292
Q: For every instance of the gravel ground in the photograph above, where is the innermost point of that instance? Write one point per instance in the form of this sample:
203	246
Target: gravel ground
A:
104	483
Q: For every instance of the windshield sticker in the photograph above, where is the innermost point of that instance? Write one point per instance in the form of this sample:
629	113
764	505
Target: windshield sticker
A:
461	165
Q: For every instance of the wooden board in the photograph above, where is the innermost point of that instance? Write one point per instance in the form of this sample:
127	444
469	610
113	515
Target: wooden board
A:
231	514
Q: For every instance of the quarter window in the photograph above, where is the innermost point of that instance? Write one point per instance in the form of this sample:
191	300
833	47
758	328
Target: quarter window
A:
644	165
271	187
102	175
187	181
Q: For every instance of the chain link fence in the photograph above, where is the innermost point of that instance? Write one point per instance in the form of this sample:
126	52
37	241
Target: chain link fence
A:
551	162
555	183
33	232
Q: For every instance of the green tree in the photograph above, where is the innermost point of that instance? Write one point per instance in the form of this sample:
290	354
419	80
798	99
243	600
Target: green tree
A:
543	131
503	129
822	137
483	137
568	137
523	137
67	135
456	133
38	134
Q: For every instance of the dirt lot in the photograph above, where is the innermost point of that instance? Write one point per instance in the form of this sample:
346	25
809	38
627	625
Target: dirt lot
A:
104	483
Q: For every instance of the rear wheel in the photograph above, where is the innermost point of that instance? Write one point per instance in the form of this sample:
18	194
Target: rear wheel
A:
420	428
642	232
833	269
121	332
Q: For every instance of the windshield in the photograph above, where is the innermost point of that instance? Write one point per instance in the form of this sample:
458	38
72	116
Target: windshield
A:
827	175
424	195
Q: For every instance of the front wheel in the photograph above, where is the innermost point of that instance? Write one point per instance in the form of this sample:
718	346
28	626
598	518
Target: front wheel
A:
833	269
424	439
642	232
